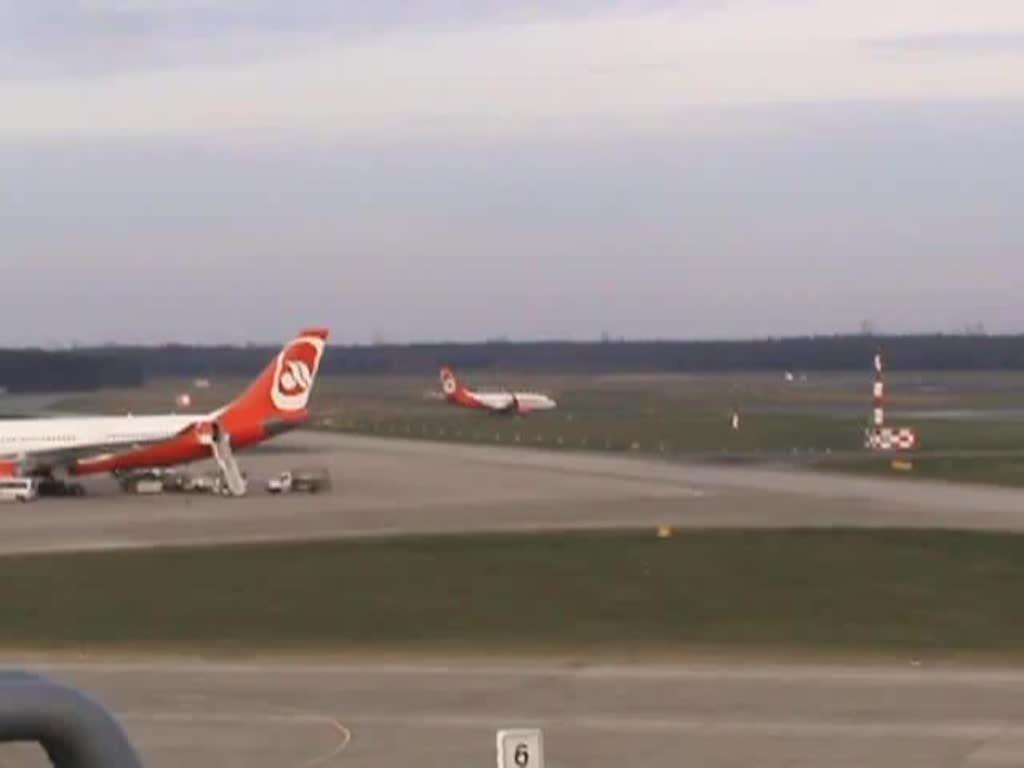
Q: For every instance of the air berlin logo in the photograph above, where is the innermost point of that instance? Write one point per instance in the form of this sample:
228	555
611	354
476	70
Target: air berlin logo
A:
448	383
296	378
296	367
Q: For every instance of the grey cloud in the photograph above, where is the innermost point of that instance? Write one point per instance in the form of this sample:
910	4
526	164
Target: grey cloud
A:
88	37
907	216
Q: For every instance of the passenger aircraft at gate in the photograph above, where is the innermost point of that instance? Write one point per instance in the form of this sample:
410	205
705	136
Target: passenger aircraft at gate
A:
275	402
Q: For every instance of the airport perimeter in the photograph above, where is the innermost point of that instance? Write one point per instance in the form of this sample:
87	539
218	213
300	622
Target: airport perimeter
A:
391	708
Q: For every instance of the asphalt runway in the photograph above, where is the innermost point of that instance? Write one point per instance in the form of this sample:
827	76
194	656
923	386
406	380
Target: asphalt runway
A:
374	714
395	486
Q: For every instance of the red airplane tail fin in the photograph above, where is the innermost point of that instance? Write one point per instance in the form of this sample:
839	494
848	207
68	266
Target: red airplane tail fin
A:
280	394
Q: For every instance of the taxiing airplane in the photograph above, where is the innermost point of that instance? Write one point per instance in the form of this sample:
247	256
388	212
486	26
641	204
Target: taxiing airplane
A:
513	403
275	402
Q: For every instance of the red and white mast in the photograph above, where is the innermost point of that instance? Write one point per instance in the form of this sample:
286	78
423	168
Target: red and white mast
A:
879	436
878	392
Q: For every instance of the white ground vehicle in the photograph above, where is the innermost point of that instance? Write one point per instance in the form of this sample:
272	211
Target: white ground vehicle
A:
149	486
209	483
148	481
310	479
18	488
200	484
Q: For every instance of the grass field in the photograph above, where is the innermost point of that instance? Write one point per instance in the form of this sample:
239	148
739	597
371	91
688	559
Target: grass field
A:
864	592
816	422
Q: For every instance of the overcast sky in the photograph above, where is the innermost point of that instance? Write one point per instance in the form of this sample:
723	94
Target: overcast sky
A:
228	170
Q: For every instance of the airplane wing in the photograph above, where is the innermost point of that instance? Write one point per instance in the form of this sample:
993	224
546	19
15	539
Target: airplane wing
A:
512	406
65	458
499	402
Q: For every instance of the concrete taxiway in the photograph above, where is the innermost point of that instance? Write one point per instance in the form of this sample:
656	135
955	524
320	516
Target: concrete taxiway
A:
396	486
262	713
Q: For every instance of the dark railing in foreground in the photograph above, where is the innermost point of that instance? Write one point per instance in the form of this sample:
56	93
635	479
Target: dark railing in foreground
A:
73	729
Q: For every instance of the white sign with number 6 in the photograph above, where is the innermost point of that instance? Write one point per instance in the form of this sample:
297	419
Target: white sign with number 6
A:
520	748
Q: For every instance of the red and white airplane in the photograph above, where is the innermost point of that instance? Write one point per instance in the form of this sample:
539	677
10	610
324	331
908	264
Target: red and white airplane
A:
275	402
513	403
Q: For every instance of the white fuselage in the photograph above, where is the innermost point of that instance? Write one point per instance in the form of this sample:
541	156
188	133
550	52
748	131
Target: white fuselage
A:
528	401
26	436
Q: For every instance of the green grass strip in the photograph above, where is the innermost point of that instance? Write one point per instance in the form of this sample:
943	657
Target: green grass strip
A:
832	591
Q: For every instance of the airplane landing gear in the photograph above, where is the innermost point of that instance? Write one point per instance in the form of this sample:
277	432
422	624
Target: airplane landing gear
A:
55	486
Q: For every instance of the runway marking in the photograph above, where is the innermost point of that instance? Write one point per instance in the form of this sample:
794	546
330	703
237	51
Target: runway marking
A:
769	672
346	739
981	732
982	743
240	718
215	540
867	729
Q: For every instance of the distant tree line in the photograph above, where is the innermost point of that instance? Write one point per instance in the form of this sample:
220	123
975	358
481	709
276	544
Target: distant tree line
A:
41	371
35	370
